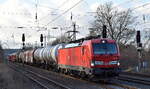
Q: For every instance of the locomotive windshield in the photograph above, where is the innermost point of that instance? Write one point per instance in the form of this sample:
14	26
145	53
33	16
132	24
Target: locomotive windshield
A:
104	48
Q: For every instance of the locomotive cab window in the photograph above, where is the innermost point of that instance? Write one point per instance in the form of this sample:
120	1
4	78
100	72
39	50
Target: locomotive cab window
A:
104	48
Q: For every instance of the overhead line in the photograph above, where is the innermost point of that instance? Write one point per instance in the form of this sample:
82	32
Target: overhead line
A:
134	7
63	3
49	7
117	5
131	8
122	3
53	9
64	12
140	6
83	0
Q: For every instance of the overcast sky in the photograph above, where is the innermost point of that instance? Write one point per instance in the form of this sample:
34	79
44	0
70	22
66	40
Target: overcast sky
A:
21	13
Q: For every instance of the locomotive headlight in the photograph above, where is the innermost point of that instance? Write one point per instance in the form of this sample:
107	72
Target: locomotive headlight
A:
103	41
118	63
92	63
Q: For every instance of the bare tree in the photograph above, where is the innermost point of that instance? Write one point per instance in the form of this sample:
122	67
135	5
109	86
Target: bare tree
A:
119	23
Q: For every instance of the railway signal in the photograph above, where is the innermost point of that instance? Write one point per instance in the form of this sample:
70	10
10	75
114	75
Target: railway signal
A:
23	40
139	49
23	37
138	41
138	37
104	32
41	40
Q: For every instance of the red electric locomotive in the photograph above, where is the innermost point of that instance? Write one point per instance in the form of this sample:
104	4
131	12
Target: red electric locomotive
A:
93	58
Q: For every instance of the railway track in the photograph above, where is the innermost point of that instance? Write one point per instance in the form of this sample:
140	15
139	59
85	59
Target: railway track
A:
122	86
44	82
135	77
107	84
103	85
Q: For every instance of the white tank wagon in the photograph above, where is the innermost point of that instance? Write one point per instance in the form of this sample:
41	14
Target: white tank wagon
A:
54	51
21	57
29	56
43	55
46	54
25	56
38	55
17	57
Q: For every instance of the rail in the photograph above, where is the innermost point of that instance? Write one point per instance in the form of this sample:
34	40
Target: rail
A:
135	77
44	82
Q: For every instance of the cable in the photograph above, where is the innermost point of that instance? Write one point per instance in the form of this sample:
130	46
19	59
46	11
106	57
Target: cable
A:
123	3
85	2
146	4
15	13
53	9
49	7
64	12
134	7
48	14
63	3
117	5
140	6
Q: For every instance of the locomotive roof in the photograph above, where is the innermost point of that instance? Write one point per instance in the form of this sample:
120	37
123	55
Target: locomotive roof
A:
101	39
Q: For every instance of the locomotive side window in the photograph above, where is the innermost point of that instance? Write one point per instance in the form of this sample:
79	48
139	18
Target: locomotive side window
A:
104	48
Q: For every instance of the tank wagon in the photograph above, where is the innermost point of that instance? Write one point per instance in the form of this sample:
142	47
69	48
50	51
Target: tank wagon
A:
96	57
27	56
12	57
47	55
